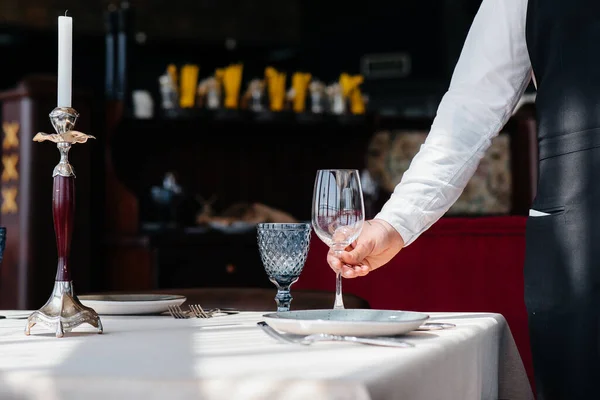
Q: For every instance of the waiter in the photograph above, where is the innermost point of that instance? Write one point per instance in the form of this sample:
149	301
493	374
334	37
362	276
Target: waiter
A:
557	43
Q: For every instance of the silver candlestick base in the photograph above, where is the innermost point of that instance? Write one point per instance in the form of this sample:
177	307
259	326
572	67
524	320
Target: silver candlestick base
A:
63	312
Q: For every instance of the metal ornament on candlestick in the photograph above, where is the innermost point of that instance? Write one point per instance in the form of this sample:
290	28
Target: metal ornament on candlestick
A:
63	311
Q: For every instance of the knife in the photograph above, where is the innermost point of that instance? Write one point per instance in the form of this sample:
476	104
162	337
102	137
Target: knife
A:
324	337
374	341
435	326
14	317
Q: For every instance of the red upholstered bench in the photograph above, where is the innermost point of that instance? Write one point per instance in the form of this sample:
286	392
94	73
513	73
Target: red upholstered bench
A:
460	264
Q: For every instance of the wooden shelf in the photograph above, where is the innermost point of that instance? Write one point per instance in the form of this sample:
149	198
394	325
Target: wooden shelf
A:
264	117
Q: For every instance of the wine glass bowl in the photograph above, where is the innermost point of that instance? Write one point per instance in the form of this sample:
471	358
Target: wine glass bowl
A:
340	229
338	212
283	250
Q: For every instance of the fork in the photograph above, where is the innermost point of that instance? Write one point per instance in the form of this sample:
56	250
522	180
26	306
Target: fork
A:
177	313
198	311
324	337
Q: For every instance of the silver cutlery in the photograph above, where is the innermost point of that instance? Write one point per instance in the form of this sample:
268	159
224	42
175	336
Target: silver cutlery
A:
177	313
229	311
435	326
14	316
196	310
199	312
323	337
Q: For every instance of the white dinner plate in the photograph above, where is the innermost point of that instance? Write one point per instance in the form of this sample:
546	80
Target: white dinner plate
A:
355	322
131	304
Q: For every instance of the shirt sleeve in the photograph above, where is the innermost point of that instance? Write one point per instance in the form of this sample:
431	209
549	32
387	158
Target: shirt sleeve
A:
492	73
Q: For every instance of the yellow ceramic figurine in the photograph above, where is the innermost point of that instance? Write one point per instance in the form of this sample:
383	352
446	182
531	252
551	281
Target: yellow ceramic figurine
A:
351	90
276	87
189	82
300	83
231	77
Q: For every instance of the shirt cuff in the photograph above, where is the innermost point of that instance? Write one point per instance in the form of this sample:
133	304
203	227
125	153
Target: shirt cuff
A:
407	219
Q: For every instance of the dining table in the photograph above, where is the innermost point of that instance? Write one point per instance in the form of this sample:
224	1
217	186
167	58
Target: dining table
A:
230	357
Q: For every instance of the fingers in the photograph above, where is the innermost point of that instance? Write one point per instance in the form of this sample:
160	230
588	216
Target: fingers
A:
347	271
354	271
356	255
352	262
334	262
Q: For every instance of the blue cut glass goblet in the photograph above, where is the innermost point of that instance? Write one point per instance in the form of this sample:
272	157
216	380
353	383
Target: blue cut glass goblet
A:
283	250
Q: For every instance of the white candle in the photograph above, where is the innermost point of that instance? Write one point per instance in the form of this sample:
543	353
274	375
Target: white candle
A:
65	54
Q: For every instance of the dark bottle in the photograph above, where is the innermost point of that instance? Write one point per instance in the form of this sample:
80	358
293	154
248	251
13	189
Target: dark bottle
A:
110	20
124	56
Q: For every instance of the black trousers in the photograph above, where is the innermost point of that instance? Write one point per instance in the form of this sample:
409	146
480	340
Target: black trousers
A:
562	275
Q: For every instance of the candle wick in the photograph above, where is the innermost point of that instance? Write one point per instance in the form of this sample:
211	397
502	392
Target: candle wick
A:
66	11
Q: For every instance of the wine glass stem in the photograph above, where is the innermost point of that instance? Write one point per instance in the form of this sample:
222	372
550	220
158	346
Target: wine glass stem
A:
339	300
283	299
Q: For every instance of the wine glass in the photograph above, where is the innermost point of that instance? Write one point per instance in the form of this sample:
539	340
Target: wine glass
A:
283	250
338	213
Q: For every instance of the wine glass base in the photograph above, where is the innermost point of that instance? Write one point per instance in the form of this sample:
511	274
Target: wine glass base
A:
63	312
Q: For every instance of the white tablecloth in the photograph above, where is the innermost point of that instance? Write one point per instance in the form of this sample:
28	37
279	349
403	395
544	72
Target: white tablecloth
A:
229	357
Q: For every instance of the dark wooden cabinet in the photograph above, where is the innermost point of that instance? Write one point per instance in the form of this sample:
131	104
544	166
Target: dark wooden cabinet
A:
237	157
243	157
208	259
271	158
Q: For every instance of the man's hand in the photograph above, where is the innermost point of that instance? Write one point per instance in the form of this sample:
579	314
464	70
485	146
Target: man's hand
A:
377	244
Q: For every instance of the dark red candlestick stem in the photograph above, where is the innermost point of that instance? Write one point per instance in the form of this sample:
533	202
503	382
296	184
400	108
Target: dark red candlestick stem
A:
63	208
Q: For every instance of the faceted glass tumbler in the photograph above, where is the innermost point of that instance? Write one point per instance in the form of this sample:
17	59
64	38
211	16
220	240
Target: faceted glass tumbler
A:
283	250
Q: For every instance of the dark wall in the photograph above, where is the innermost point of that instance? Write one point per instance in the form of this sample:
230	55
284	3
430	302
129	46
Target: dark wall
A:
341	33
322	37
256	20
178	31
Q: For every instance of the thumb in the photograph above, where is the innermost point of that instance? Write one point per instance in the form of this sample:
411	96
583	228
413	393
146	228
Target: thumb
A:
356	255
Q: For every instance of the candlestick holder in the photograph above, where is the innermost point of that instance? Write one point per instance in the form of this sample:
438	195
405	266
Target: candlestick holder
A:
63	311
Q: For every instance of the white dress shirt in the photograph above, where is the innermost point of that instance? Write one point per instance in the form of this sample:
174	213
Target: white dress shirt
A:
490	77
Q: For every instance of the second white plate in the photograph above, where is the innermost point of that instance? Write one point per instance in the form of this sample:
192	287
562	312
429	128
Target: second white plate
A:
355	322
131	304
